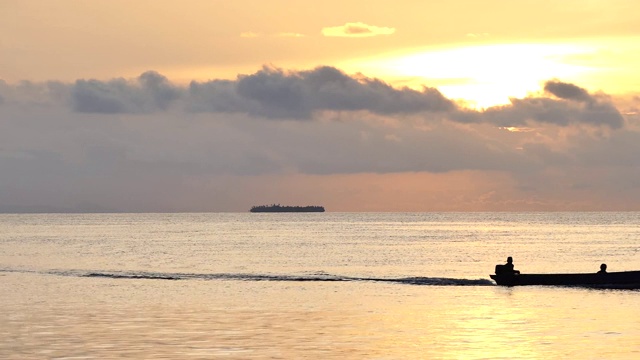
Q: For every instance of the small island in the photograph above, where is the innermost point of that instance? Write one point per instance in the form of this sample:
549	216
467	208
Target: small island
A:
283	208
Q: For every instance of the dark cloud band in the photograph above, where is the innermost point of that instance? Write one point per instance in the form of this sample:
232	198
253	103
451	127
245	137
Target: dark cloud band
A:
278	94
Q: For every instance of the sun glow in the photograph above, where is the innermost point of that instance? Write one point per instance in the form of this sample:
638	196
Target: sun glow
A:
483	75
517	129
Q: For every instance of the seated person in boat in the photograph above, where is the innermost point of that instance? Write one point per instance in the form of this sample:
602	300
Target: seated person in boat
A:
506	268
603	269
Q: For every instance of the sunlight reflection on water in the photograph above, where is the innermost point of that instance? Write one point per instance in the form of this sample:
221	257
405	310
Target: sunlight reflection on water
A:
257	320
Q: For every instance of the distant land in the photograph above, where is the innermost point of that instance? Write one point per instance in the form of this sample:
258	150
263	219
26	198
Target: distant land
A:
284	208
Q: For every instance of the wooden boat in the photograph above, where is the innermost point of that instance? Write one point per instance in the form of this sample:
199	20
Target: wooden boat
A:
612	280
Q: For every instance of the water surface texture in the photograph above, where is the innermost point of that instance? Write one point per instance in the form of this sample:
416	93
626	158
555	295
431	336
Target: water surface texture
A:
315	286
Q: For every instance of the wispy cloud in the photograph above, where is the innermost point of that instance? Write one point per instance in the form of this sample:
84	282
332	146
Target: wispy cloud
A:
357	29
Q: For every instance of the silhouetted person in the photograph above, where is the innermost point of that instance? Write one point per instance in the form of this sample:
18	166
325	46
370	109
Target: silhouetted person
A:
603	269
507	268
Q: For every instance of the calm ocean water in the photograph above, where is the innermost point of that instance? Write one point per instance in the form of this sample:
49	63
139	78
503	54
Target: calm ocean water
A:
313	286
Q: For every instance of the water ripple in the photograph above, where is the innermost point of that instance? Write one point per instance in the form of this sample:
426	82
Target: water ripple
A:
319	277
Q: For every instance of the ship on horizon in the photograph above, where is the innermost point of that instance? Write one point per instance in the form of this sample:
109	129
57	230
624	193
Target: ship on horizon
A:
285	208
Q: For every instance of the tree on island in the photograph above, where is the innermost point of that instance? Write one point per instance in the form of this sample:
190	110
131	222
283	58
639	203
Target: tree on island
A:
284	208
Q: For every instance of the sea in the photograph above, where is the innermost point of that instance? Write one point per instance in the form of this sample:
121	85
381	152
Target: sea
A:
313	286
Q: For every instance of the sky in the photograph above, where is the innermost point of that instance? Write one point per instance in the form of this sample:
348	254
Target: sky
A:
404	105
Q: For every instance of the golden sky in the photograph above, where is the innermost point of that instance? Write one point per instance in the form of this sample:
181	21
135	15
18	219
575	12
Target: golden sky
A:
385	105
465	48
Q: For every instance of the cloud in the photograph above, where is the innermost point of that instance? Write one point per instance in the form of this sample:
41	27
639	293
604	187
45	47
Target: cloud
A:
574	105
33	93
357	29
567	91
148	93
147	144
274	93
304	95
270	92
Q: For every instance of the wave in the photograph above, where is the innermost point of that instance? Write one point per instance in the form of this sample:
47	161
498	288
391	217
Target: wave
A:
316	277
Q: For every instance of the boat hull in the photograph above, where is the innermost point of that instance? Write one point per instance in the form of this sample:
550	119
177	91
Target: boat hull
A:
623	279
